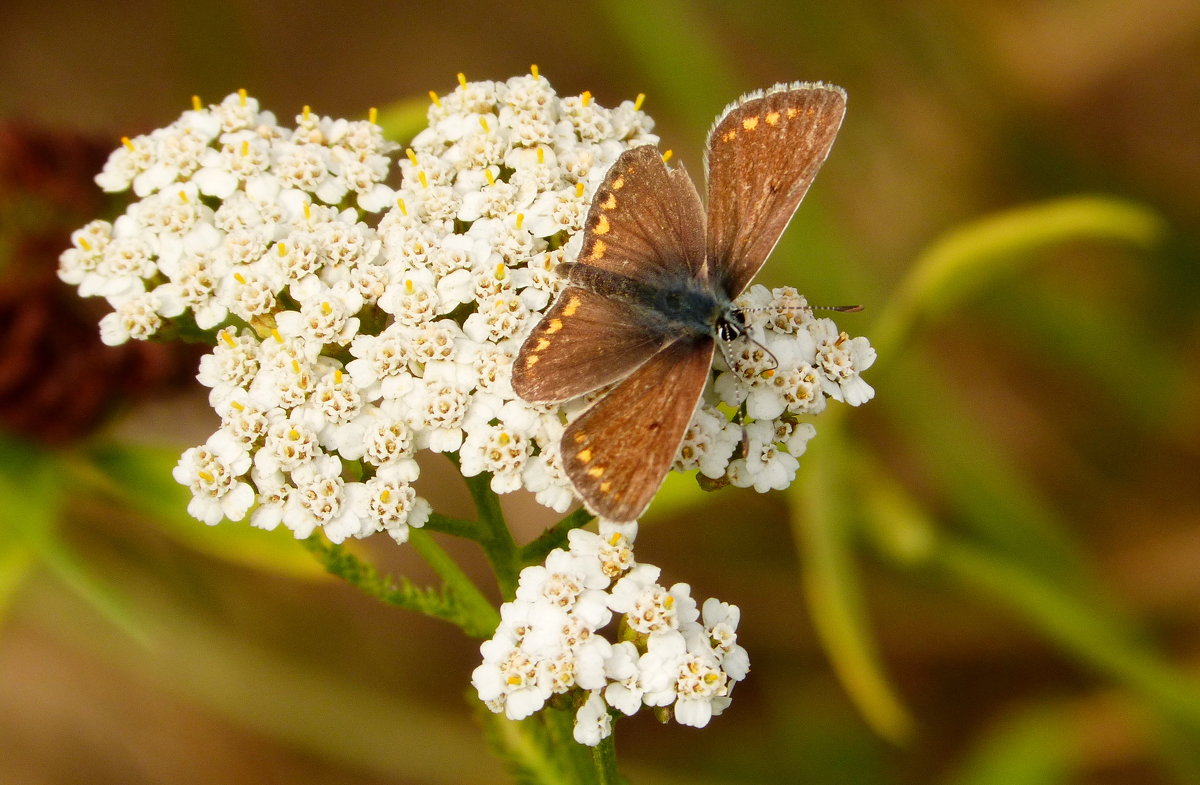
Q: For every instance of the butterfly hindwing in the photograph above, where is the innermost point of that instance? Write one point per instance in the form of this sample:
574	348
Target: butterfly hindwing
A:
618	451
652	284
584	342
646	221
762	156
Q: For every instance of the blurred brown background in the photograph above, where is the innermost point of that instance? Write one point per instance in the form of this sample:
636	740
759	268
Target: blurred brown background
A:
206	667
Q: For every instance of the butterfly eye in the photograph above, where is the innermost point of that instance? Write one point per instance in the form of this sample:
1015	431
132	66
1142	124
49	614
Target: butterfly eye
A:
731	325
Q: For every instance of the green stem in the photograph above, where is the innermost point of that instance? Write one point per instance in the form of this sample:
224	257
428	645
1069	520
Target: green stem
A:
537	751
458	601
496	539
554	537
456	527
572	755
604	759
479	609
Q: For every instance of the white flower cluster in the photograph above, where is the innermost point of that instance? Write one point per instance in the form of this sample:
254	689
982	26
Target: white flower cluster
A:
671	656
355	324
785	366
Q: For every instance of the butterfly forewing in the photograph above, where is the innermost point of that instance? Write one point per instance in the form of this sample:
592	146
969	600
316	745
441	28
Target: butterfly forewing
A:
617	452
763	154
646	222
652	280
584	342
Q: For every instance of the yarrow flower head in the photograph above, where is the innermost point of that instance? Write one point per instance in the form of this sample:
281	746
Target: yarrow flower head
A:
355	324
551	641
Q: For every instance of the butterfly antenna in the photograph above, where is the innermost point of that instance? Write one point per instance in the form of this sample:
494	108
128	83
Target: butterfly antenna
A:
725	353
839	308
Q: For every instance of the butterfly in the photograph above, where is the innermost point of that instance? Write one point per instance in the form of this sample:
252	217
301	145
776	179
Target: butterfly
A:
652	290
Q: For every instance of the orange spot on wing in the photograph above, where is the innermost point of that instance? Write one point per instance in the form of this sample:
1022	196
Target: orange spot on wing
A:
531	360
772	118
598	249
750	123
729	136
596	471
584	456
553	326
542	344
601	226
617	184
571	307
609	203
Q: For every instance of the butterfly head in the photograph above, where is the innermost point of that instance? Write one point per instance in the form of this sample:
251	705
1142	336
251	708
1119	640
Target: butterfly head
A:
731	324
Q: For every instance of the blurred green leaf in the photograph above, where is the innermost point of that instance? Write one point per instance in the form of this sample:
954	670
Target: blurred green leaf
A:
404	119
27	515
538	750
140	476
820	519
1085	630
903	531
678	495
988	492
16	564
457	600
324	710
969	258
640	27
34	487
1178	749
1034	748
1086	334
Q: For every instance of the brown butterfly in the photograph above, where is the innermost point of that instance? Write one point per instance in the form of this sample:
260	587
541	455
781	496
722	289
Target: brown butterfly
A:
654	285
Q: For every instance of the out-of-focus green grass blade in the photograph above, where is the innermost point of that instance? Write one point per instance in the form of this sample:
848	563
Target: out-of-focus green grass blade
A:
896	523
988	492
1082	626
28	510
971	257
694	74
686	68
820	518
331	715
140	476
1034	748
1179	751
402	120
33	489
16	564
1084	334
1086	631
61	561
